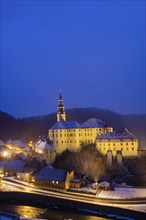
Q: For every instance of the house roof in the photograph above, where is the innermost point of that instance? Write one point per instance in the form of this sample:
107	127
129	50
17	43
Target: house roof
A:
17	164
42	144
52	174
17	143
3	163
1	142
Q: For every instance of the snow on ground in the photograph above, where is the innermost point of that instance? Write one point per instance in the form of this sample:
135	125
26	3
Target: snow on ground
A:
122	193
117	193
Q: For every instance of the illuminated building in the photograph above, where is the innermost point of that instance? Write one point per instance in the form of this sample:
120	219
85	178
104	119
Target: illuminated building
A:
44	150
72	135
125	142
50	177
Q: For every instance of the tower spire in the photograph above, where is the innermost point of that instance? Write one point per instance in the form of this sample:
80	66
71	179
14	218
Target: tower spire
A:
60	109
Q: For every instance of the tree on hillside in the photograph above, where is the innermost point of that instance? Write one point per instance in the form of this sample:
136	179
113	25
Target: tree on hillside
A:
86	162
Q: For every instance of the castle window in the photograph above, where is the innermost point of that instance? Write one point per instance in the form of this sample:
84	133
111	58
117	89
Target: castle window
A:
56	135
114	149
60	135
126	143
108	144
121	144
132	148
113	144
132	143
121	148
62	142
127	148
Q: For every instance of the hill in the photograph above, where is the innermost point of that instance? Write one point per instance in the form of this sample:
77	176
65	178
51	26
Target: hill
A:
32	127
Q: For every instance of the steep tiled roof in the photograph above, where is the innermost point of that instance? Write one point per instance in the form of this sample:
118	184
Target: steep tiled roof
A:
42	144
93	123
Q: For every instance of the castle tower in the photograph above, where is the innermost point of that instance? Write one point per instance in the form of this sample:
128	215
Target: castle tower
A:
60	110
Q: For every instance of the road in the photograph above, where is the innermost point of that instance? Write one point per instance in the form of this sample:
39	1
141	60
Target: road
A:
132	204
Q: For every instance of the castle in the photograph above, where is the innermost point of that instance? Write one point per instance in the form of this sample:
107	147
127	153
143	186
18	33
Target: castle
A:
72	135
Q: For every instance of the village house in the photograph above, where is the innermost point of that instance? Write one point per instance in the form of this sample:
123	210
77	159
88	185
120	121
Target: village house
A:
53	178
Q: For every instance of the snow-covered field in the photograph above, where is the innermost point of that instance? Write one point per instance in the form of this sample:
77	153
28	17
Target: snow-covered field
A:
122	193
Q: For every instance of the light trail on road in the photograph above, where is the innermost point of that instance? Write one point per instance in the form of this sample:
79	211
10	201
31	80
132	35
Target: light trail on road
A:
137	205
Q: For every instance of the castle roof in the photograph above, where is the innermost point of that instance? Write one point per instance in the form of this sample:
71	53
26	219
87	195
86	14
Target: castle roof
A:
114	135
93	123
90	123
65	125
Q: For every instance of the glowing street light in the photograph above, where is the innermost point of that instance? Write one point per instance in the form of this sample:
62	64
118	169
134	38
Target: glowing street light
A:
5	154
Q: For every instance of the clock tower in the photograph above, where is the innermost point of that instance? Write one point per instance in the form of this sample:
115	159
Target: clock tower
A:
60	110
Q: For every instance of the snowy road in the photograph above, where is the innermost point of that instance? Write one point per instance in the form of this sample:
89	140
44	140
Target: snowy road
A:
138	204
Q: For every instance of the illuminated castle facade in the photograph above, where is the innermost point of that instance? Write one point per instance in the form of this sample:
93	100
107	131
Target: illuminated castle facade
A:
72	135
125	142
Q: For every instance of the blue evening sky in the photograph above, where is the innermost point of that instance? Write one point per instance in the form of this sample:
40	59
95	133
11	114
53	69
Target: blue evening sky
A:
93	51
